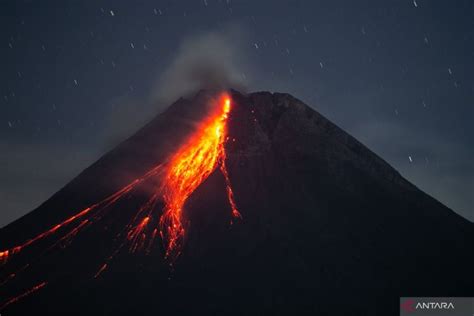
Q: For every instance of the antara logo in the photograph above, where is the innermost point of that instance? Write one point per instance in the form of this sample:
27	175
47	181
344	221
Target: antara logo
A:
434	305
411	306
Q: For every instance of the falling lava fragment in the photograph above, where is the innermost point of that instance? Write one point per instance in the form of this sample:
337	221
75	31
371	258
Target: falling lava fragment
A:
23	295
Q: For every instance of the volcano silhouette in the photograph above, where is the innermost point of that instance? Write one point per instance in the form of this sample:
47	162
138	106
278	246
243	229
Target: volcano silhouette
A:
327	227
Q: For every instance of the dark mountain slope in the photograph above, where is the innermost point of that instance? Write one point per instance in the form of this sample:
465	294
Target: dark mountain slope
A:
328	227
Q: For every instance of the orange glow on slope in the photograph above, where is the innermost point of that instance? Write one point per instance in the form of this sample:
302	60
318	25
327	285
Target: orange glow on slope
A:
202	154
230	193
23	295
4	256
137	236
50	231
100	206
189	167
102	269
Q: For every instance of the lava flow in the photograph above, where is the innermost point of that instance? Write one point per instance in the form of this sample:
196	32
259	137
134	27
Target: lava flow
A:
23	295
189	167
202	154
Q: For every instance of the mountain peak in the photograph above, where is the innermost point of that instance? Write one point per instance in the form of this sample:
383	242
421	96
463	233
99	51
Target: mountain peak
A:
288	212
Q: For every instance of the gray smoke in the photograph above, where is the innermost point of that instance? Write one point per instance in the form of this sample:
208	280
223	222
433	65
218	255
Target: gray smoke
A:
211	60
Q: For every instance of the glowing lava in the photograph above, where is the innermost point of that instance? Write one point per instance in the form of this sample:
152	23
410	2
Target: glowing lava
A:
4	255
189	167
23	295
202	154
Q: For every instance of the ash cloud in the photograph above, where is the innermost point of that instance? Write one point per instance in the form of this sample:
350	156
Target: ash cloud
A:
211	60
206	60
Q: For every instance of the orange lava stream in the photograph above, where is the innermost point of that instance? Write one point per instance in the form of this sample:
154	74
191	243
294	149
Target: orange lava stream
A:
202	154
6	254
137	236
230	193
23	295
189	167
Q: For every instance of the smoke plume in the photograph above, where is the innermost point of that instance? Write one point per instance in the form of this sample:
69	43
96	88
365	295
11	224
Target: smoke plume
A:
211	60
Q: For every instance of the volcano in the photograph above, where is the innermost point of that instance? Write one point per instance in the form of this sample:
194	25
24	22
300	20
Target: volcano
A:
230	203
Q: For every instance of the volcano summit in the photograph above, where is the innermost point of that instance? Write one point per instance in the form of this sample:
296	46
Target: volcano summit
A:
235	204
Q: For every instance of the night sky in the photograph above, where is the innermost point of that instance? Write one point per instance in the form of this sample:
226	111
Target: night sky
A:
77	77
